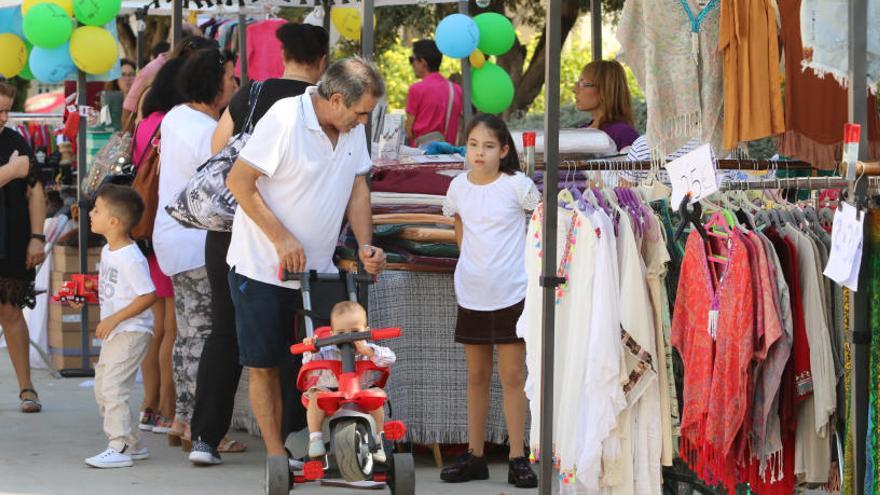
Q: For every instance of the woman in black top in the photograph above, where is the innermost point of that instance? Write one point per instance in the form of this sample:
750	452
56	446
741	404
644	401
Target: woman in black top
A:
305	50
22	243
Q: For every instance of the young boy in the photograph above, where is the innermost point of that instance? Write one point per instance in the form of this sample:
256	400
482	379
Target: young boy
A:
126	293
346	317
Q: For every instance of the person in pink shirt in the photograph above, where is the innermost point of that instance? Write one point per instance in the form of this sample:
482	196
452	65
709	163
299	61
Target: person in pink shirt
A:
427	103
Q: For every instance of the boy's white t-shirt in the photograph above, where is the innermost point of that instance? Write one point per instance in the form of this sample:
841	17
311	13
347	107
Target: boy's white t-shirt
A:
123	276
491	272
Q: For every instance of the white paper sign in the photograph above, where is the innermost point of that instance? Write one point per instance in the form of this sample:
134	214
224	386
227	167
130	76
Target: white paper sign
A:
846	247
692	173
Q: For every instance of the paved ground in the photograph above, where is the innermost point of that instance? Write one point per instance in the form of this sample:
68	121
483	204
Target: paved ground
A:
43	454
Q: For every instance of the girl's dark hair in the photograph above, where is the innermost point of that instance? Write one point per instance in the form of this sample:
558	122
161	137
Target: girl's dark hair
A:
303	43
163	93
201	77
510	163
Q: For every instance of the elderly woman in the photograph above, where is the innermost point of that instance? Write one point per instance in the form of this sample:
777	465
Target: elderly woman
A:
602	91
22	212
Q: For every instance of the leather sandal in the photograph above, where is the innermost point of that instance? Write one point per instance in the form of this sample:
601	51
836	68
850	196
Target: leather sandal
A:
231	446
29	405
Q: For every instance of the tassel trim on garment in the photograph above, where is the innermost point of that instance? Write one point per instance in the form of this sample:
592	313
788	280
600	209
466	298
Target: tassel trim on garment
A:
842	78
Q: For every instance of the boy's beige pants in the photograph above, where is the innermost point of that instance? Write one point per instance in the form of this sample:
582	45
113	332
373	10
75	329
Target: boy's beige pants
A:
121	356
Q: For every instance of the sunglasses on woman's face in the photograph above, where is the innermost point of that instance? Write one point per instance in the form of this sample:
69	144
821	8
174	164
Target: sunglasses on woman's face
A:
584	84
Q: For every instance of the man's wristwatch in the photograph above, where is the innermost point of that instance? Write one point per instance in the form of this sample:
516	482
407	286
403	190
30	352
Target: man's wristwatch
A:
39	237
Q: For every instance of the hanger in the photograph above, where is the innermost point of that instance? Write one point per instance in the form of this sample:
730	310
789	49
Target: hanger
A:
692	217
565	195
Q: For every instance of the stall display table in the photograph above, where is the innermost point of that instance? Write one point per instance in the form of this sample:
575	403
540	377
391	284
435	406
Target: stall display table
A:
428	385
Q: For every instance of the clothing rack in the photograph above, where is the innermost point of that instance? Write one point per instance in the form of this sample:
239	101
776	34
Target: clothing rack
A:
811	183
608	165
36	117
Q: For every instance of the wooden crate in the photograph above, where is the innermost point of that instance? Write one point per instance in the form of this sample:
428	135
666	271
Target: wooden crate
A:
66	259
68	315
61	362
69	339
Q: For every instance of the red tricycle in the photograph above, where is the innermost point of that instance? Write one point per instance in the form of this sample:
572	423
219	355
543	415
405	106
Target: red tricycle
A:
81	289
351	428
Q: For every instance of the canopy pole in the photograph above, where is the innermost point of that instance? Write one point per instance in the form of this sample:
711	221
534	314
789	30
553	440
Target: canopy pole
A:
549	280
83	204
140	27
466	80
596	28
176	22
242	46
858	114
367	46
327	8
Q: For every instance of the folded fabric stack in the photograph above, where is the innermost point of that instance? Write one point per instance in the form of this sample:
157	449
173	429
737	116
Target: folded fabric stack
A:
407	217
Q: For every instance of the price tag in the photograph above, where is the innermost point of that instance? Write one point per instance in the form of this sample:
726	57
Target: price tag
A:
694	174
846	247
84	110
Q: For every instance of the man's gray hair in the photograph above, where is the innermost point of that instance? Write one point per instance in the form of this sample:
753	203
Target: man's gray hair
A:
352	78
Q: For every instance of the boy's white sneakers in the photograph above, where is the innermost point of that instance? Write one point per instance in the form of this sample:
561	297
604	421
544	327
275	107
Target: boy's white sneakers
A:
141	454
110	458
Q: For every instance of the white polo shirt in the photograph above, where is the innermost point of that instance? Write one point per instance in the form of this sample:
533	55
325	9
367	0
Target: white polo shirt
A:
307	184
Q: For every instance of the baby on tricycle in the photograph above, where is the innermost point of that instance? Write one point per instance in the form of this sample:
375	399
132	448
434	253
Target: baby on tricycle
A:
346	317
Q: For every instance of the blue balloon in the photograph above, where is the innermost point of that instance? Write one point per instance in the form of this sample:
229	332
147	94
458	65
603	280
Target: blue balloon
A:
457	36
6	16
52	65
17	23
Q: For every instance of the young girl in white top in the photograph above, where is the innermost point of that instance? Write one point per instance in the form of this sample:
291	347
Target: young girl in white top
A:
490	204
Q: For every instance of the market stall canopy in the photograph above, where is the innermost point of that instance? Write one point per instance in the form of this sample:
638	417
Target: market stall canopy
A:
232	7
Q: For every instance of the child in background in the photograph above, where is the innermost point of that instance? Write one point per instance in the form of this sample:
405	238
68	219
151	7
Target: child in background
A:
126	293
346	317
490	204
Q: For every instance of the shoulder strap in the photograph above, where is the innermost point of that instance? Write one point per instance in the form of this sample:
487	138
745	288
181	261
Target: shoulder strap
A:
149	146
256	86
449	107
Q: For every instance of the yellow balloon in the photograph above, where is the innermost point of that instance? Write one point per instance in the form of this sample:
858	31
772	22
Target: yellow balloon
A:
477	59
67	5
93	49
13	55
347	21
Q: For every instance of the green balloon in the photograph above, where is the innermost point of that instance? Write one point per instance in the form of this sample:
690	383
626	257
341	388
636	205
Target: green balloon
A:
496	33
26	71
492	89
96	12
47	25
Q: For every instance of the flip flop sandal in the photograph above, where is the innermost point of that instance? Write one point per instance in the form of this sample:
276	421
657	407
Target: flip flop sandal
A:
230	446
29	405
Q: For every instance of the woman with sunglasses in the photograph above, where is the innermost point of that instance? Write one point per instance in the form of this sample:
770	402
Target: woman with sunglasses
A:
22	245
602	91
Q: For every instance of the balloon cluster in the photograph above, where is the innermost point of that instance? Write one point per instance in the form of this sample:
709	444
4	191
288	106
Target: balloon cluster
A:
460	36
40	40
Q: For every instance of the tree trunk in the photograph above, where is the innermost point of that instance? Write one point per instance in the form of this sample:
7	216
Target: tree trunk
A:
528	85
157	29
127	38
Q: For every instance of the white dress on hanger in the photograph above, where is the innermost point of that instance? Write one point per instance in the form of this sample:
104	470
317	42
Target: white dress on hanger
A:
640	470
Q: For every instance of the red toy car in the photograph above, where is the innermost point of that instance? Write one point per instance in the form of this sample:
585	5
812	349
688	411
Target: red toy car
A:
82	289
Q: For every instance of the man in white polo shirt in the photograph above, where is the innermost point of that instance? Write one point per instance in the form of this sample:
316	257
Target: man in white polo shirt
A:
302	171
